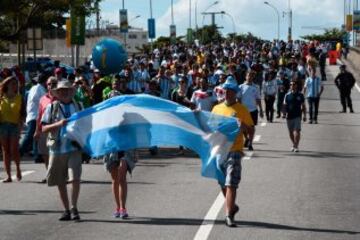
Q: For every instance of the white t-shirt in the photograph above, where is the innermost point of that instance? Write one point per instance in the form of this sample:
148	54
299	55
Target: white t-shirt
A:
204	100
249	94
33	100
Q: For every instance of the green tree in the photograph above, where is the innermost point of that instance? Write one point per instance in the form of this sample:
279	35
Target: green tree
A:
208	34
18	15
330	34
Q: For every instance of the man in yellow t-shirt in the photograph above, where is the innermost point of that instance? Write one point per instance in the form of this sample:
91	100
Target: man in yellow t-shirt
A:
232	165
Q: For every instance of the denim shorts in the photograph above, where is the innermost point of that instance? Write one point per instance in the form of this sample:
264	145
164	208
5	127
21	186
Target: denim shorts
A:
232	169
112	160
294	124
9	130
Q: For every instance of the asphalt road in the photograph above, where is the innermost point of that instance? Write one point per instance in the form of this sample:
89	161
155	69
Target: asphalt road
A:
313	194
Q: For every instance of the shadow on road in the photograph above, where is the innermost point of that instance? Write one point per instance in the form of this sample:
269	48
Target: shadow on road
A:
198	222
109	183
291	228
314	154
35	212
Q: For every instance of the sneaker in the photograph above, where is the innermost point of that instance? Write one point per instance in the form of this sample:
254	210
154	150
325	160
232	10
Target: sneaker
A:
116	214
316	122
66	216
342	111
76	215
296	150
292	149
250	148
351	111
310	121
123	213
229	221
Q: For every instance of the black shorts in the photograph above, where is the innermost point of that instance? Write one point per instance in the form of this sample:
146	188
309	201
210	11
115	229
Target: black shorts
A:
254	116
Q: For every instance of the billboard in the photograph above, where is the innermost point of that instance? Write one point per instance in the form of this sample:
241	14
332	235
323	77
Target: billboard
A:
356	21
151	28
349	23
124	24
173	34
77	28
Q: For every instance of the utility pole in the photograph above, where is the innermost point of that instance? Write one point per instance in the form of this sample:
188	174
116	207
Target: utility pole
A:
97	18
290	22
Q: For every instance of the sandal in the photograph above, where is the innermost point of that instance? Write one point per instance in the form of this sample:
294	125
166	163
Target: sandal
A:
19	176
7	180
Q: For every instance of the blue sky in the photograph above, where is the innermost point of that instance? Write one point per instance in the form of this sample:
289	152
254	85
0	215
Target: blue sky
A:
248	15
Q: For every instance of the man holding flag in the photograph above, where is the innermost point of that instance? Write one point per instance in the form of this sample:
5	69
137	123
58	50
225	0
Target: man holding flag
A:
232	165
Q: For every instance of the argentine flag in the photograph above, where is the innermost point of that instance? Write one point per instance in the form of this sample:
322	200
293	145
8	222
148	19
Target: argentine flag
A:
141	121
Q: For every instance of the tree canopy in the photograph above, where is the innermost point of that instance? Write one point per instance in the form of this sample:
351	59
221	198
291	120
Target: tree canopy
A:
17	15
331	34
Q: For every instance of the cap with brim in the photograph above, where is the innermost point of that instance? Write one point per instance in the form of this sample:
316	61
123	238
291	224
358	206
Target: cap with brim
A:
230	86
63	84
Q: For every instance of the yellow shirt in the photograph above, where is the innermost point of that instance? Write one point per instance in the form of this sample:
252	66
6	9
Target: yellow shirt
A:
10	109
240	111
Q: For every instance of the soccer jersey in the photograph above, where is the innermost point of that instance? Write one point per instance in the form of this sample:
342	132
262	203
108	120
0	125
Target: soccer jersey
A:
239	111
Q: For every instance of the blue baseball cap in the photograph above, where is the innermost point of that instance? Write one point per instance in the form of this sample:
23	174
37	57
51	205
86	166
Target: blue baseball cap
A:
231	86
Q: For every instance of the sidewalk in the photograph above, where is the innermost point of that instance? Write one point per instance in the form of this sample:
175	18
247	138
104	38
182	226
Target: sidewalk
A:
353	63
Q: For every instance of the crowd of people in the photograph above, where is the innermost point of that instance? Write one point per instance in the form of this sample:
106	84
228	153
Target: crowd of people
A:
232	79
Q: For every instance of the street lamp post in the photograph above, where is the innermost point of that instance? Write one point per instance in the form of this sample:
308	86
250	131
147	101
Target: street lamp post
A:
211	5
136	17
278	18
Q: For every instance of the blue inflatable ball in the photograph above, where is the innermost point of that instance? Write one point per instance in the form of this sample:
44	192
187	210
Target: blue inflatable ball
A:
109	56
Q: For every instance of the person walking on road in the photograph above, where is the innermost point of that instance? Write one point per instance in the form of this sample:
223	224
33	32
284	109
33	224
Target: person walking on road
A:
270	90
345	81
39	136
12	114
249	95
294	108
313	89
32	107
64	158
232	165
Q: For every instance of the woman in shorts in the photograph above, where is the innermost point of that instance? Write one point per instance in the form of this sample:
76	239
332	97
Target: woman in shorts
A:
11	118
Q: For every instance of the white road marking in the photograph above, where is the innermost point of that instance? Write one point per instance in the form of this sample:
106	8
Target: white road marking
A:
357	87
257	138
263	124
24	173
248	156
209	220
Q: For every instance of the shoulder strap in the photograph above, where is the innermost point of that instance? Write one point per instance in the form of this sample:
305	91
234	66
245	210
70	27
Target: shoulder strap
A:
54	109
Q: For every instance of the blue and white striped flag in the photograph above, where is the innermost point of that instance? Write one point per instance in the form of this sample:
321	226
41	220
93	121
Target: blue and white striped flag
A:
141	121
